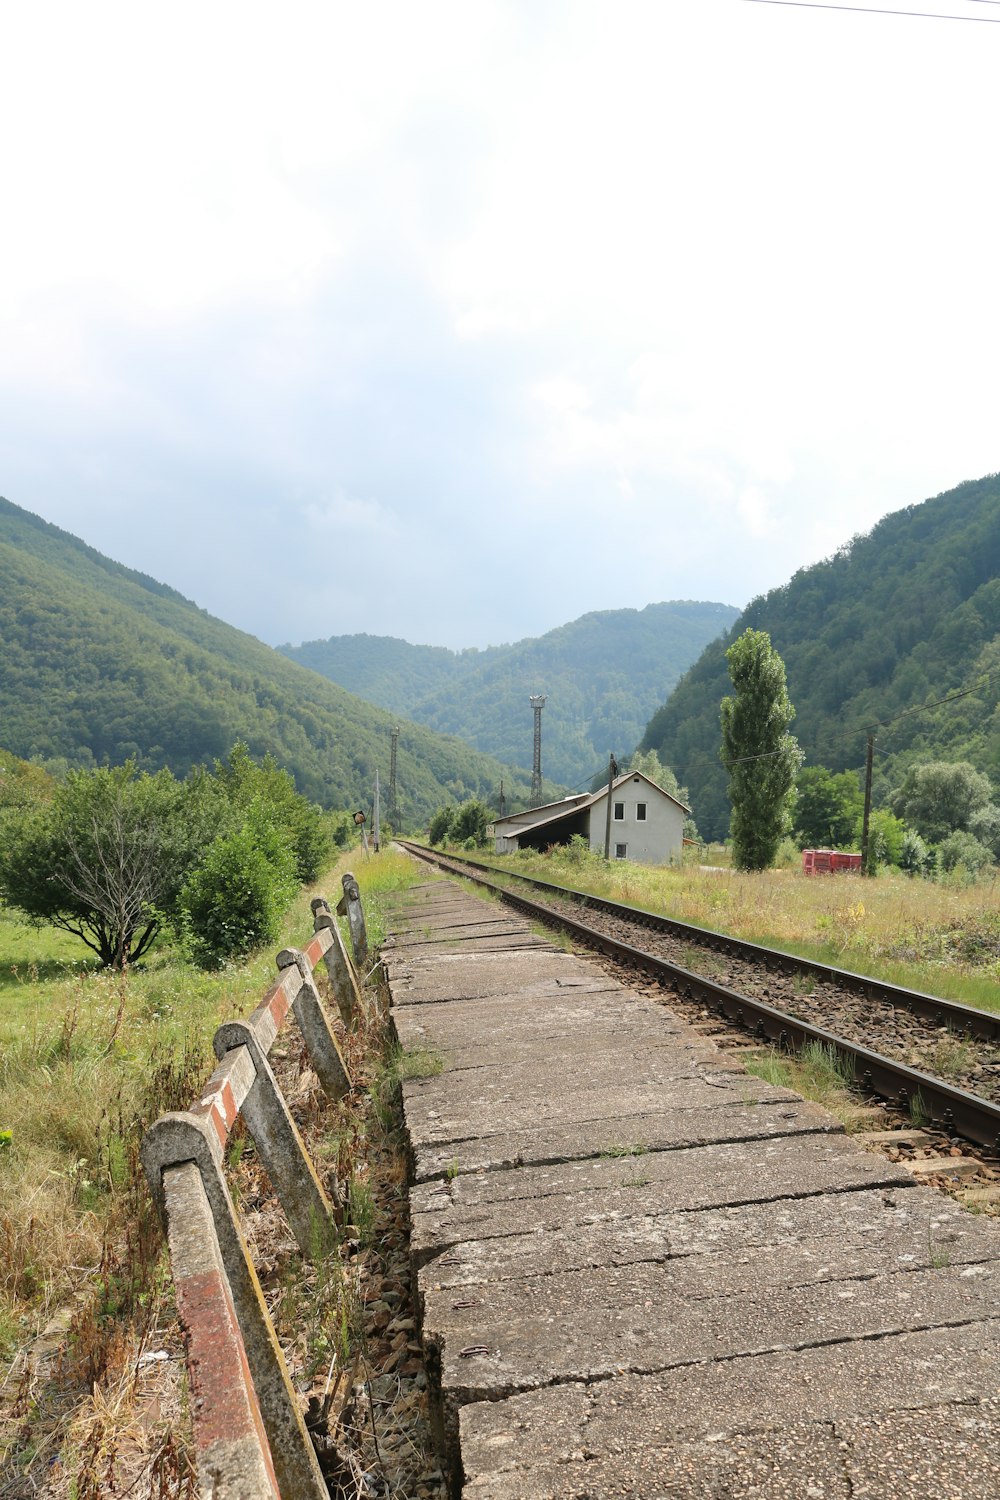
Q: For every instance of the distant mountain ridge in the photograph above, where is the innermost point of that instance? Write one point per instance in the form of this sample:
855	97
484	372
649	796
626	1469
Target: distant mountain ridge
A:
602	674
871	638
99	663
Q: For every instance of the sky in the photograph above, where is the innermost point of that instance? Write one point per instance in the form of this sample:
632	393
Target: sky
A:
455	320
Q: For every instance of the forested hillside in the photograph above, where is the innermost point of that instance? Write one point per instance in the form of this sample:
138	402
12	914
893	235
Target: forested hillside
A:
893	622
602	675
99	663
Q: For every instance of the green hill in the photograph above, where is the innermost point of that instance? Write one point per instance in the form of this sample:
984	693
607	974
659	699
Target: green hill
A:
99	663
602	675
892	623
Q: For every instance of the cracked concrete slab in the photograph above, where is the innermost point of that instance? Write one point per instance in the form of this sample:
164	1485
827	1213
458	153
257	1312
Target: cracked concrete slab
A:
440	977
590	1325
821	1237
723	1120
906	1377
458	1108
478	1207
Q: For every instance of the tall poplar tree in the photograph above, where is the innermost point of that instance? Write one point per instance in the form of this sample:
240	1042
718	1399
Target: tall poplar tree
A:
760	755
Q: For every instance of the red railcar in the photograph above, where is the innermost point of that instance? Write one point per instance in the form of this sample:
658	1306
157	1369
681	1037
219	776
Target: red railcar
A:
828	861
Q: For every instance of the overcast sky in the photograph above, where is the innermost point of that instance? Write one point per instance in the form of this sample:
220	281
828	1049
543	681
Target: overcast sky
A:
454	321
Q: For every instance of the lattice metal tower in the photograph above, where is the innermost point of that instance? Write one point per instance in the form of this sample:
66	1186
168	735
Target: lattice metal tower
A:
538	703
393	809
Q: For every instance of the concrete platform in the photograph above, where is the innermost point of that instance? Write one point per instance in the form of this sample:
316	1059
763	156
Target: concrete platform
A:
645	1273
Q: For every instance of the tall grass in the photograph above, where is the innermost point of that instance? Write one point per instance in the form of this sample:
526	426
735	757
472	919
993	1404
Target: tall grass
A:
937	936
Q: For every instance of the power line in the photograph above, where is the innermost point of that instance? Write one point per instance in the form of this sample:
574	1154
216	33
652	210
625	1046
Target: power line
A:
872	10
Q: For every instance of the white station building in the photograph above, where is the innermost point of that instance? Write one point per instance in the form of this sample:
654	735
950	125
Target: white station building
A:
647	823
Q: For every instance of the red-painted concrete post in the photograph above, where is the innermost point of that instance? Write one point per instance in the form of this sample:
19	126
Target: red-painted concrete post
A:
199	1136
232	1453
280	1147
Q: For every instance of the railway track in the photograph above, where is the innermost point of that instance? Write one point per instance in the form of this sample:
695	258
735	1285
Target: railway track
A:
897	1043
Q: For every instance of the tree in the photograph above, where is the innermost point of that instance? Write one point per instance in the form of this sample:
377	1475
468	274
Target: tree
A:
760	755
470	822
942	797
886	839
106	858
828	807
441	825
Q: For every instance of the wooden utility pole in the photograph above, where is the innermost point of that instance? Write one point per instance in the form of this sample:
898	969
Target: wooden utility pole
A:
612	773
868	805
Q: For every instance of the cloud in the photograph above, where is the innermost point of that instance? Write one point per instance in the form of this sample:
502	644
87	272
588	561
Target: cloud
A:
665	302
351	519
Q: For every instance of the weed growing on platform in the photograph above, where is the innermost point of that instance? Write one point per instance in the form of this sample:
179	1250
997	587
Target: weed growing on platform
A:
819	1074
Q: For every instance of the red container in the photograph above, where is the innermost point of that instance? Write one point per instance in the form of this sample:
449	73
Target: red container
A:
827	861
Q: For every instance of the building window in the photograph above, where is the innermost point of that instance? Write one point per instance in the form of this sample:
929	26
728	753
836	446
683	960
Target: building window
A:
640	812
621	851
619	812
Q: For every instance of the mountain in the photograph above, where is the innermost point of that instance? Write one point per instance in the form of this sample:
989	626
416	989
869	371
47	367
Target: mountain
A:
99	663
872	638
602	675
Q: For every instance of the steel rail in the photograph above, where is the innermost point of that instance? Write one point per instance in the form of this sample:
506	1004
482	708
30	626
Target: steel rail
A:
965	1020
957	1111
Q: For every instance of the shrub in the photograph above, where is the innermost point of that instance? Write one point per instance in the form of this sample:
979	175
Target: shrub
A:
441	825
961	848
471	822
234	902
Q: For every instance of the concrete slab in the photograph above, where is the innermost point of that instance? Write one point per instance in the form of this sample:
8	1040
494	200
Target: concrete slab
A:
443	977
666	1130
803	1462
475	1107
455	929
773	1170
485	940
857	1381
822	1237
525	1032
591	1325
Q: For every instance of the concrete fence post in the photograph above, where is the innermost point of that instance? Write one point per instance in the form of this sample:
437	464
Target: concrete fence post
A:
351	904
199	1136
232	1453
309	1012
281	1148
339	968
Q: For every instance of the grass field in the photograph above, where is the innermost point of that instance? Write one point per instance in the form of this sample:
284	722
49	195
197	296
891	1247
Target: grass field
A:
87	1059
930	935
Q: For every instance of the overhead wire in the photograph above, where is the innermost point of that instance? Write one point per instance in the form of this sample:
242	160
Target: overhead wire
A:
874	10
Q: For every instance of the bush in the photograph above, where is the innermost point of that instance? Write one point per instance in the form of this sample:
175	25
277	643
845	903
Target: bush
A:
963	849
915	857
441	825
234	902
471	822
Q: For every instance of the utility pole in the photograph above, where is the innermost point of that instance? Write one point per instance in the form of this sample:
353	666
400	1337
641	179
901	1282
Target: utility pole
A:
375	816
612	773
537	703
393	807
503	804
868	805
